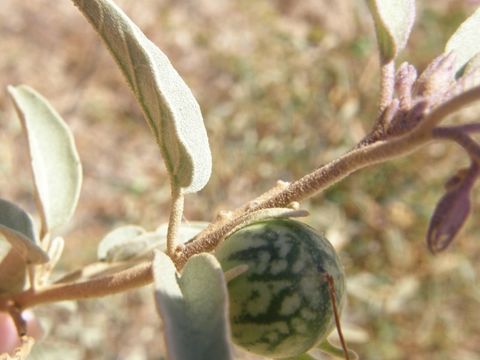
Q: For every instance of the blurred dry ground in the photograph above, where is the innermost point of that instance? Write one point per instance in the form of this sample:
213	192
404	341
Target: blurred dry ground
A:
284	86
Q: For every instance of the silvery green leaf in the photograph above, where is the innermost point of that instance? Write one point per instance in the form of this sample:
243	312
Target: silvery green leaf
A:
465	41
13	269
193	307
17	228
393	22
169	106
134	248
56	166
117	237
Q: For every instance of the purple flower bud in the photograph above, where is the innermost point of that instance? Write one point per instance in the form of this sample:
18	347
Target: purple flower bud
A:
452	210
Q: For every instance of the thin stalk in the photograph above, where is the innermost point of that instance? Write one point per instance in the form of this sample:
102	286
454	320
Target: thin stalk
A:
469	128
333	300
387	84
176	213
18	320
461	138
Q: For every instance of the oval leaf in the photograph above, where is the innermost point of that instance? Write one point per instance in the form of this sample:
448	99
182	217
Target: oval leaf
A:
393	22
464	42
135	248
17	228
55	163
169	106
193	308
116	238
132	242
13	270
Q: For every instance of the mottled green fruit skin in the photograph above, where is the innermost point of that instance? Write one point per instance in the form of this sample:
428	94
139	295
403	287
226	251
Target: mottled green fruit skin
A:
281	306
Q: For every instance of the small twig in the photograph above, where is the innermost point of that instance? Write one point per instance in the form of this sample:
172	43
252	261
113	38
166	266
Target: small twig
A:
465	128
333	300
461	138
176	213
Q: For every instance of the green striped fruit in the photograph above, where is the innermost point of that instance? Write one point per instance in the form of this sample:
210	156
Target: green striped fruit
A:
280	307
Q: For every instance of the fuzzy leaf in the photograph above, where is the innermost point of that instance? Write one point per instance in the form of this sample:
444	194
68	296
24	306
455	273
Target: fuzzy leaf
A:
13	269
135	248
132	242
465	41
56	166
17	228
169	106
393	22
193	307
116	238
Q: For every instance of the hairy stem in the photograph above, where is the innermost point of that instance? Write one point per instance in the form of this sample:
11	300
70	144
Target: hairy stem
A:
176	212
310	184
134	277
387	84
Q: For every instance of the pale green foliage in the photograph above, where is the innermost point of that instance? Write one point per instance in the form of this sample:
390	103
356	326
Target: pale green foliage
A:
55	162
17	228
169	106
131	242
117	238
193	307
465	42
393	23
19	249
